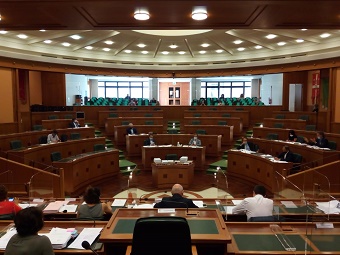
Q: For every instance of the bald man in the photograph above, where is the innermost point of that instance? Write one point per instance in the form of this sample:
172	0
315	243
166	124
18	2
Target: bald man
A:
177	200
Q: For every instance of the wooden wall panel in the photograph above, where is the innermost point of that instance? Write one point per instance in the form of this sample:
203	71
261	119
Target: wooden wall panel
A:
53	88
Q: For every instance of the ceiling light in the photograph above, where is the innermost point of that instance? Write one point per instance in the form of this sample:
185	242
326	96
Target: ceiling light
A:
271	36
42	30
141	45
75	37
281	43
141	14
258	47
202	52
165	52
108	42
127	51
199	13
89	47
22	36
219	51
173	46
66	44
325	35
47	41
205	45
238	41
3	32
145	52
106	49
241	49
181	52
299	40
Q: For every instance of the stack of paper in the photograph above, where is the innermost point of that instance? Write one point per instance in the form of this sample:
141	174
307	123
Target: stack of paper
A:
54	207
68	208
5	238
59	237
88	234
119	202
331	207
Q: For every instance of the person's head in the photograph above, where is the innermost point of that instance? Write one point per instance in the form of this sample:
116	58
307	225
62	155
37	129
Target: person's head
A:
177	189
54	132
320	134
92	195
3	193
130	125
244	139
195	136
291	132
285	148
74	120
150	136
259	190
29	221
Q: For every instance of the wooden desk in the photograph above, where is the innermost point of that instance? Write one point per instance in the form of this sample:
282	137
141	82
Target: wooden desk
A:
32	137
257	238
243	115
197	154
120	132
134	143
287	123
103	115
311	157
112	122
253	168
40	155
207	229
166	175
59	123
227	132
37	117
232	121
88	169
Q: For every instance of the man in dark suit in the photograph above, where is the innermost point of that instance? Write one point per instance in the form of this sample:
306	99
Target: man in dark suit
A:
245	145
177	200
150	141
74	123
286	155
320	140
131	130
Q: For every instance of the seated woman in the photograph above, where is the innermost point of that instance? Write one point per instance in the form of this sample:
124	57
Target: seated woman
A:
7	208
319	141
27	241
292	137
93	209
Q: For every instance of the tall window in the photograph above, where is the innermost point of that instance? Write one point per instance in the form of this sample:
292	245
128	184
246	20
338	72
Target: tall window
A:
119	89
228	89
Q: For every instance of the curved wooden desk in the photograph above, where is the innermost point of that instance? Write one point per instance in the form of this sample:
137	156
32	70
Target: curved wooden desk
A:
287	123
231	121
197	154
227	132
112	122
120	131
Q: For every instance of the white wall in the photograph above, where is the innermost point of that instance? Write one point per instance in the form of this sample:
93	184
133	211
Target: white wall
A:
75	85
271	87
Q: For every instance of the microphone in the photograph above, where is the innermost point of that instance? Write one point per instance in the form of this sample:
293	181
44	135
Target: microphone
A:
141	198
86	245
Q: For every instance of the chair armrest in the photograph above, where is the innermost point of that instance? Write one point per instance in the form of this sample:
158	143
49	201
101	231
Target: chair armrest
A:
193	249
128	250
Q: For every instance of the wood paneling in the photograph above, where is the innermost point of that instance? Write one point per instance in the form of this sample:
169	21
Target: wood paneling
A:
53	88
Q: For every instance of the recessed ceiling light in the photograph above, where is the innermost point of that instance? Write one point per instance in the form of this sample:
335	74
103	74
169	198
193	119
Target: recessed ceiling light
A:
48	41
258	47
42	30
165	52
141	45
202	52
271	36
127	51
299	40
281	43
205	45
181	52
22	36
325	35
106	49
141	15
75	37
219	51
145	52
89	47
3	32
108	42
199	13
241	49
303	29
66	44
173	46
238	41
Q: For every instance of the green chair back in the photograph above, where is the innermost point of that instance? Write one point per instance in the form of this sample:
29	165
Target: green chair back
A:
74	136
171	157
196	122
201	132
113	115
280	116
37	127
272	136
149	122
15	144
55	156
99	147
310	127
52	117
222	123
173	131
278	125
332	145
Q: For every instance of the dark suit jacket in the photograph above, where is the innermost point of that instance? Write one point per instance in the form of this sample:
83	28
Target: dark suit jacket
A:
128	131
322	142
73	125
289	157
251	146
148	143
171	202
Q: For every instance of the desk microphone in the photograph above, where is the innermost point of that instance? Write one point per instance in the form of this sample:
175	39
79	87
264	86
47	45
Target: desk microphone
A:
86	245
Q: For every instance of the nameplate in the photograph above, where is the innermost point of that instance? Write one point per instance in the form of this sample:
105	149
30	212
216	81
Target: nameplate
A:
166	210
324	225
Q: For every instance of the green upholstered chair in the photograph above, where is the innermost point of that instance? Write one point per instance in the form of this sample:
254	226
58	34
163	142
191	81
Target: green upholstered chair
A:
52	117
99	147
125	123
55	156
304	117
74	136
278	125
197	115
332	145
300	139
149	122
42	139
226	115
296	163
222	123
272	136
280	116
64	137
37	127
15	144
171	157
195	122
68	116
148	115
113	115
310	127
201	132
173	131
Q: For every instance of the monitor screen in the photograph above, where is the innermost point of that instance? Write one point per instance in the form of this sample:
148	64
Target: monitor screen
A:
80	115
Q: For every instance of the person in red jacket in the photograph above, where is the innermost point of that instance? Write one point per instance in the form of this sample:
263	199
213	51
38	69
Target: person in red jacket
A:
7	207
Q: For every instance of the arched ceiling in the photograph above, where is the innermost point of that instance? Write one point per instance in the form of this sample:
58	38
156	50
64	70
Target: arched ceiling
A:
233	35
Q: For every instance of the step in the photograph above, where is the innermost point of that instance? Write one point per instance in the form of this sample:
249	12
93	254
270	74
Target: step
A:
213	171
223	164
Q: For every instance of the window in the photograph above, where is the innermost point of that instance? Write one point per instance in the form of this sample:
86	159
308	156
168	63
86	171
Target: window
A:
228	89
119	89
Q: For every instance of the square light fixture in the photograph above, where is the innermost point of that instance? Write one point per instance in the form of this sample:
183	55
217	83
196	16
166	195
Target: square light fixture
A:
199	13
141	14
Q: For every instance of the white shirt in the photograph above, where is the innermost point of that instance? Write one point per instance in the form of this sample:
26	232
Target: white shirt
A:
255	207
51	139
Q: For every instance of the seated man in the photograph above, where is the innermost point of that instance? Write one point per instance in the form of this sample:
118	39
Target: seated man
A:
53	137
74	123
320	140
150	141
256	206
245	145
131	130
285	155
177	200
195	141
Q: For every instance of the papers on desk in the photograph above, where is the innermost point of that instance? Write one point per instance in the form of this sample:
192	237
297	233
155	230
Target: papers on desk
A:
59	237
68	208
88	234
199	203
38	200
147	206
236	202
54	207
23	206
289	204
331	207
229	208
119	202
5	238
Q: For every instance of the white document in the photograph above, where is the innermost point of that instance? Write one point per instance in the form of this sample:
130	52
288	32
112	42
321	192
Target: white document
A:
147	206
167	210
119	202
229	208
70	199
23	206
59	237
5	238
289	204
199	203
54	206
88	234
68	208
236	202
38	200
330	207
